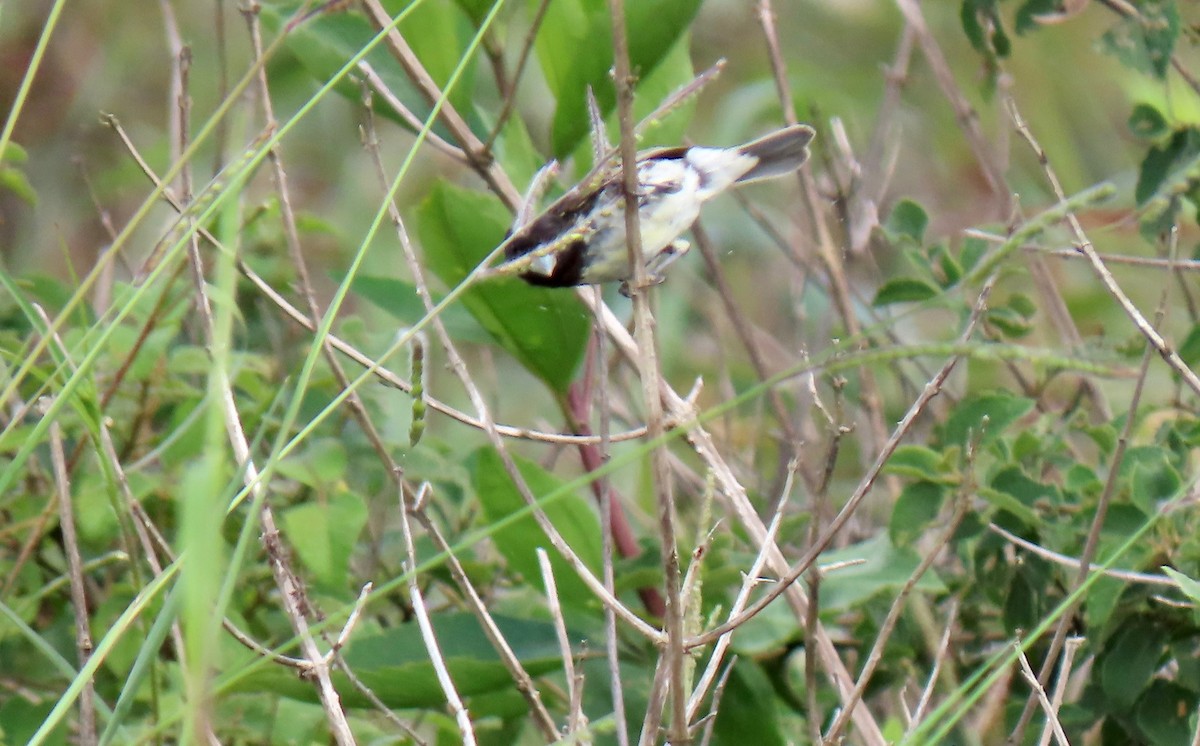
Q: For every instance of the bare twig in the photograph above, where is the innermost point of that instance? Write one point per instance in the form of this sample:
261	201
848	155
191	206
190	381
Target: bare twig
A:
70	542
438	661
1053	727
1040	693
472	147
943	653
575	716
1127	576
968	120
647	343
524	682
510	100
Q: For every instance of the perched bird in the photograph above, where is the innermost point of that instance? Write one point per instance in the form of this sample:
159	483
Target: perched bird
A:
580	238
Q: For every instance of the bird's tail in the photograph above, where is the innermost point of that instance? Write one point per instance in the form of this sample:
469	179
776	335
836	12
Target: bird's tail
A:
778	153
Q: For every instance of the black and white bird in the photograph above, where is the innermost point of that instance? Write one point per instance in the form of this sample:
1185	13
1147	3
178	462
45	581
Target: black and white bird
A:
580	238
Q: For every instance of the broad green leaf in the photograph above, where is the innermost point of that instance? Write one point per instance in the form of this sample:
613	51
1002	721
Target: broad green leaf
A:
905	290
999	409
323	534
437	31
1002	500
672	73
748	713
1129	661
1012	481
574	47
768	632
1189	586
319	464
395	663
917	462
515	150
1167	169
880	567
1027	15
908	220
22	718
399	298
1160	713
1021	605
1150	475
973	249
916	508
1145	40
571	515
1148	122
545	329
1189	349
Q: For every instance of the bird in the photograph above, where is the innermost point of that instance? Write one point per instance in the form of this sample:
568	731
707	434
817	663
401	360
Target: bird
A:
580	238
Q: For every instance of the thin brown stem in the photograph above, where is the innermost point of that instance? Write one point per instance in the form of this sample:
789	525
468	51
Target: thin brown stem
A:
648	368
70	543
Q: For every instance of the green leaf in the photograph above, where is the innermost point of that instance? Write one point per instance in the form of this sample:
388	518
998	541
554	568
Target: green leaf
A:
747	711
1167	169
399	298
545	329
1189	349
1161	713
14	180
1130	660
321	463
395	663
1189	586
1004	501
323	534
967	421
907	220
1011	480
916	508
1011	322
880	567
1152	477
984	28
767	633
574	47
905	290
973	249
1145	40
1021	607
1148	122
1027	15
517	541
515	149
951	270
436	30
917	462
